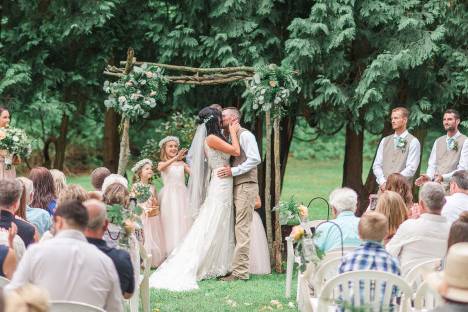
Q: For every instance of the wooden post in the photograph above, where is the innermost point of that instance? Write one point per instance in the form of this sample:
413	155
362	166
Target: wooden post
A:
125	140
278	236
269	230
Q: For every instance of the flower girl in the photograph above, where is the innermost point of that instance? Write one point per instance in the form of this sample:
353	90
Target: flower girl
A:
173	196
147	198
259	257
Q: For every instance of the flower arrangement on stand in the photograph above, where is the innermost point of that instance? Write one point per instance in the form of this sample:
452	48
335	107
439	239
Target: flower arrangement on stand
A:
16	144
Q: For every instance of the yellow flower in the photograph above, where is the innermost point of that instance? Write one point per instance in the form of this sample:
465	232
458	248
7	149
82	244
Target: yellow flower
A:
297	232
273	83
303	212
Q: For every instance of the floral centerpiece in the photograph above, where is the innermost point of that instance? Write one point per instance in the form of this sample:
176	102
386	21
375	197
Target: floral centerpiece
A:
135	94
127	219
305	246
291	213
16	143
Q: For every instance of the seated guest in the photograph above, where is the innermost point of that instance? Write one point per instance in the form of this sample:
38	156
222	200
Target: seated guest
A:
37	216
113	178
424	238
452	283
343	202
8	258
371	255
60	181
97	195
44	189
20	213
97	177
391	205
10	193
459	230
399	184
97	226
73	192
457	202
68	267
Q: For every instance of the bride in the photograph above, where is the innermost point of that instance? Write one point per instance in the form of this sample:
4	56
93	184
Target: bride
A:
207	249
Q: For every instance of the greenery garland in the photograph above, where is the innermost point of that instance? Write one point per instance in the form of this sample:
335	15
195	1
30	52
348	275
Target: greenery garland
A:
135	94
270	89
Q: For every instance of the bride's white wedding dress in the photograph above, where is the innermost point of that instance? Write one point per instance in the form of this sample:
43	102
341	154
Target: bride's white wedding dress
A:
207	250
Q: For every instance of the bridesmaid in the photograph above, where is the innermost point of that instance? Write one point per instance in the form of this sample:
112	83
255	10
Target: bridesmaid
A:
259	257
4	123
151	219
173	196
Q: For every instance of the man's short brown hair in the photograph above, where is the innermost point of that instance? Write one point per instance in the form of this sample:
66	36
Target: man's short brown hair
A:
10	192
234	110
403	110
97	177
373	226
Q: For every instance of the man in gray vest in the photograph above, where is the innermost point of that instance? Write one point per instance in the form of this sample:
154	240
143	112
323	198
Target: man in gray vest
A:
244	171
399	152
449	153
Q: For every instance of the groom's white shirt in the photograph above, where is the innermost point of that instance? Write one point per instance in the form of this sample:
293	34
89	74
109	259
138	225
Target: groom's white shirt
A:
249	145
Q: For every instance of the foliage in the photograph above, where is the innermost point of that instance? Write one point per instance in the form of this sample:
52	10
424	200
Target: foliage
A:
291	213
125	217
142	192
181	125
15	141
270	89
135	94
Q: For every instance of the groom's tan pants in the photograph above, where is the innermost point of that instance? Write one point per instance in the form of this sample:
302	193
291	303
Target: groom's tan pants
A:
244	204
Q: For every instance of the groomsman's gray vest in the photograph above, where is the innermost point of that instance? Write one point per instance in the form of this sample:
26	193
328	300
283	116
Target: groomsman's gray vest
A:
447	160
248	177
394	159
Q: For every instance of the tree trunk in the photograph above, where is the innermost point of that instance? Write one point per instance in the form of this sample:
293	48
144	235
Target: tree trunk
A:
352	165
124	147
61	144
269	230
277	162
287	126
111	140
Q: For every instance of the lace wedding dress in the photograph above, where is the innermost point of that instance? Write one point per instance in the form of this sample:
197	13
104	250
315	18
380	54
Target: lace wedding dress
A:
208	248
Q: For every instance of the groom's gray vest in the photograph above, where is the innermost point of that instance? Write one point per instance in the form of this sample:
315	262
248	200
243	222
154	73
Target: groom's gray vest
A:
248	177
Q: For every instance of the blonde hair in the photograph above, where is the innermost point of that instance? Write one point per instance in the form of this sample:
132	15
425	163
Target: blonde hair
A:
28	298
73	192
391	205
373	226
162	153
60	181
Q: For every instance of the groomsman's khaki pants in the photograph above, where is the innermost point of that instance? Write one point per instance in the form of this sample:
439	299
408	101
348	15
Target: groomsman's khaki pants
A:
244	203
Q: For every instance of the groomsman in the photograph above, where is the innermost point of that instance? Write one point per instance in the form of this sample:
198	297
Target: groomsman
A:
449	153
399	152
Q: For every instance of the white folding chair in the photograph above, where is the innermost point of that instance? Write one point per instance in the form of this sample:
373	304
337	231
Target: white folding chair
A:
426	298
4	281
415	276
144	279
72	306
372	294
326	270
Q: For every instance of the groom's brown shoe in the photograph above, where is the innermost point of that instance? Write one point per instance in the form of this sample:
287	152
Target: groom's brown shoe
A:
230	278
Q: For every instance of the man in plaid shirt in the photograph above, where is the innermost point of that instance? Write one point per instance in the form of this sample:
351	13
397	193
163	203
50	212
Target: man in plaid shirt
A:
371	255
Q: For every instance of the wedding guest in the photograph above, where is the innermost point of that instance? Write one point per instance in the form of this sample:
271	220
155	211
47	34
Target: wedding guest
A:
95	195
399	184
392	206
259	256
151	218
37	216
73	192
44	189
68	267
113	178
398	152
457	202
98	176
20	212
175	214
449	153
97	226
343	202
28	298
10	193
459	230
452	283
424	238
60	181
8	259
5	173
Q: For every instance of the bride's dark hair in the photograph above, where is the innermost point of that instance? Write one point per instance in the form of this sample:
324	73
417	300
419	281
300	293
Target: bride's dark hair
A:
212	119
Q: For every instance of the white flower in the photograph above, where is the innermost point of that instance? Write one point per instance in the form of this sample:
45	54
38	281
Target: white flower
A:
149	74
122	99
142	82
262	92
153	93
129	84
15	138
134	96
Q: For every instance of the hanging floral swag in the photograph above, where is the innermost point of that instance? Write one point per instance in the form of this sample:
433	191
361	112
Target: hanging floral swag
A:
135	94
270	89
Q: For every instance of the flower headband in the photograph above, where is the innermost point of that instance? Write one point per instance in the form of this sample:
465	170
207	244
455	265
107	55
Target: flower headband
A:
167	139
140	164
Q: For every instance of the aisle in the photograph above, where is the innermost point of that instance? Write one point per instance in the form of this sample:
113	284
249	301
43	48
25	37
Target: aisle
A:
260	293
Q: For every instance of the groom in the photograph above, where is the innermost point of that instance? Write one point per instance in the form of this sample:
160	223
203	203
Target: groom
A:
244	171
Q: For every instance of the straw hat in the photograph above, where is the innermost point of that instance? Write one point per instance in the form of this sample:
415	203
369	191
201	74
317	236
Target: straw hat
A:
452	283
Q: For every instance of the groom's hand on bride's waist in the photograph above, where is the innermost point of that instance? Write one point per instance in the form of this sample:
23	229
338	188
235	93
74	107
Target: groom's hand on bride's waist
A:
224	172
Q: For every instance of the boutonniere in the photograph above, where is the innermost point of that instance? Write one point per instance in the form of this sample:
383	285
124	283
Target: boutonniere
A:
453	145
401	144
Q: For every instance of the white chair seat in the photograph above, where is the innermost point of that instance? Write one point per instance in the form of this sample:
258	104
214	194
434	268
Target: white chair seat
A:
72	306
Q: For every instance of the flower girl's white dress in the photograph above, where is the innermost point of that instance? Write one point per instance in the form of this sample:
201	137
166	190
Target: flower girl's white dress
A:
259	256
208	248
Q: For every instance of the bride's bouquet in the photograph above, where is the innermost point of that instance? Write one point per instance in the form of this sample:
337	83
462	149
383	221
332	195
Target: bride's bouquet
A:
16	143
